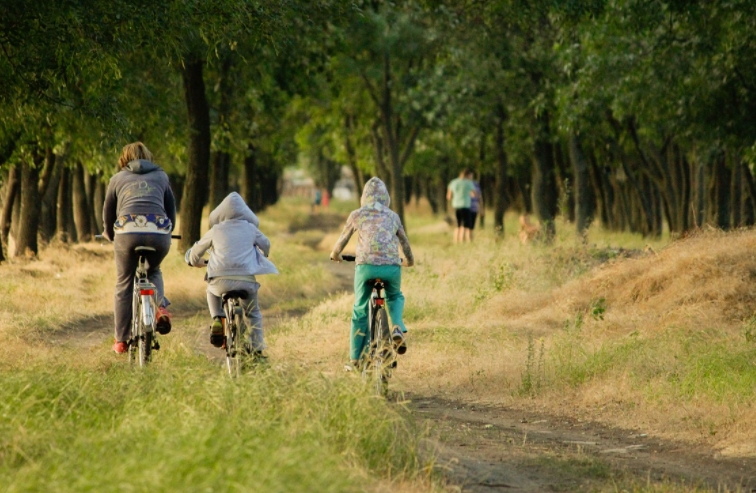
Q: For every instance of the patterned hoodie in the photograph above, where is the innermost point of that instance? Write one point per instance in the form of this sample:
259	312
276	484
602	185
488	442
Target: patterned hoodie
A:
379	230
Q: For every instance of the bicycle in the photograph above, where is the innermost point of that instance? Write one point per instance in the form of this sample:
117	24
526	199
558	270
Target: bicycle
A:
379	360
235	331
143	341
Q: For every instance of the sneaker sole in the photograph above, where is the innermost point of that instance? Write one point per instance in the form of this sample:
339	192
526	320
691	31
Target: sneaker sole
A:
163	327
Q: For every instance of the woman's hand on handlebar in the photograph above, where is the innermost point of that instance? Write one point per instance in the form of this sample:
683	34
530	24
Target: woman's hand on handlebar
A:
336	257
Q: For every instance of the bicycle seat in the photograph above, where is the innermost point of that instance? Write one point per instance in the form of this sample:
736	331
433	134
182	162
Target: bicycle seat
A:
144	249
242	295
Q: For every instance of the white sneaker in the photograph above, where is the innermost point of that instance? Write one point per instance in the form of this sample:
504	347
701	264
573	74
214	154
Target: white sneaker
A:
398	337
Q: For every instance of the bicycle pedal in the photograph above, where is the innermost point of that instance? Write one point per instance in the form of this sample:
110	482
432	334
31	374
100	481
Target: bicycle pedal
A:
155	346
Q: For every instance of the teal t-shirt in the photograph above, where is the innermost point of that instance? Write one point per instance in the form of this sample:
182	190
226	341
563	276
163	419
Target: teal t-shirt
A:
460	190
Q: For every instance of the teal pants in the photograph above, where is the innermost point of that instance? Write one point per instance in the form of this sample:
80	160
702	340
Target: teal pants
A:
392	275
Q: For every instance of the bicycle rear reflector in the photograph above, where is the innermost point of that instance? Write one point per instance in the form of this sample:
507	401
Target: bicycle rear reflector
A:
379	301
147	292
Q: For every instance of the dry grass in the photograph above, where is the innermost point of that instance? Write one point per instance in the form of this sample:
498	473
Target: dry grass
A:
638	335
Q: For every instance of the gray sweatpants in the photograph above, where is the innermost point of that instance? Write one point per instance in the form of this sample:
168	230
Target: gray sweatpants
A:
126	261
215	289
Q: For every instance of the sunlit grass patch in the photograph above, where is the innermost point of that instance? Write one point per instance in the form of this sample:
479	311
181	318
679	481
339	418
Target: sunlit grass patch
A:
185	426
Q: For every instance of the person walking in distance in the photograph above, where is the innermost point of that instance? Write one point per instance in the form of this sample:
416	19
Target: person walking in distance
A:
139	210
477	208
460	193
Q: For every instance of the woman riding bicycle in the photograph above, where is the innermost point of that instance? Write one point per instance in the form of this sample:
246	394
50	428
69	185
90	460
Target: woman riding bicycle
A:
379	234
139	210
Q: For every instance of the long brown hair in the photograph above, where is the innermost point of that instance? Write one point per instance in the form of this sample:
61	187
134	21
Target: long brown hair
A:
132	152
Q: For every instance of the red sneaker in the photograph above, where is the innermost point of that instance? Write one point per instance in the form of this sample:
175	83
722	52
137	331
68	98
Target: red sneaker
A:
120	347
163	325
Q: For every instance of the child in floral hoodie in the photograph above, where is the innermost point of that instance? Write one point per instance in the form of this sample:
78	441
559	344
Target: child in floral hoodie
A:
379	234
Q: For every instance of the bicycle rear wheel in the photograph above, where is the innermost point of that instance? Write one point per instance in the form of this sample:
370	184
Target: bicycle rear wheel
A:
145	347
380	352
235	350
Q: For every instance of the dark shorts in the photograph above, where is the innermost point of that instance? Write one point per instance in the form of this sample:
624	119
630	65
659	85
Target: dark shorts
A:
464	217
473	217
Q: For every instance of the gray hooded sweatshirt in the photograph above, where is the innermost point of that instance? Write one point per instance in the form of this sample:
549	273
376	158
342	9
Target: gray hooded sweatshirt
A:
141	187
236	242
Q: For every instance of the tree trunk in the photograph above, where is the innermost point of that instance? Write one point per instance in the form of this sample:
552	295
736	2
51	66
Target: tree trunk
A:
26	243
249	177
13	187
49	208
63	206
196	184
90	183
502	170
722	192
737	193
544	192
381	169
583	192
750	199
81	211
99	202
359	178
220	165
700	200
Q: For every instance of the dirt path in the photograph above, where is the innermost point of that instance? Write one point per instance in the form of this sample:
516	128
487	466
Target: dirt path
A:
485	449
482	449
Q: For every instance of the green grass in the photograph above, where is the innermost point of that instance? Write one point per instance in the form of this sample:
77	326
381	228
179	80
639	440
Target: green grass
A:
183	425
682	364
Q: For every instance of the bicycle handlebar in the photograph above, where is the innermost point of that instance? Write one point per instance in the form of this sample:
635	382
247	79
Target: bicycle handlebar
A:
348	258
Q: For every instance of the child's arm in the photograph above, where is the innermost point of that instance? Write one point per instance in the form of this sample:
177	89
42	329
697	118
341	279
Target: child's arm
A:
263	242
194	255
349	229
404	242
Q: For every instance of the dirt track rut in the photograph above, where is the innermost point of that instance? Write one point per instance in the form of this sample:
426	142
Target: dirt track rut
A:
485	448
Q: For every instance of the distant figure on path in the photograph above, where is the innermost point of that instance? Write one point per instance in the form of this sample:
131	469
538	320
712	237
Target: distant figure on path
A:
326	199
476	205
316	199
460	192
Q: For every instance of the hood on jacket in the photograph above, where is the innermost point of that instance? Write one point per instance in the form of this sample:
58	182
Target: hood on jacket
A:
233	207
141	166
375	193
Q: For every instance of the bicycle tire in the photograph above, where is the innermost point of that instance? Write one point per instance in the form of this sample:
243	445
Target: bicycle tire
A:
133	349
380	353
145	348
235	341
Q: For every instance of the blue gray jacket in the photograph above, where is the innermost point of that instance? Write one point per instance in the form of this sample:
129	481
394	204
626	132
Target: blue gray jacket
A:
238	246
141	187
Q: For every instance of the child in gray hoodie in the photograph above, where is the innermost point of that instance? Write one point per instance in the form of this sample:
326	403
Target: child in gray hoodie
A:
238	252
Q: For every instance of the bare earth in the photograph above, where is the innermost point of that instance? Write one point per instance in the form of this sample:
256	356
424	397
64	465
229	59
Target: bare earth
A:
484	449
